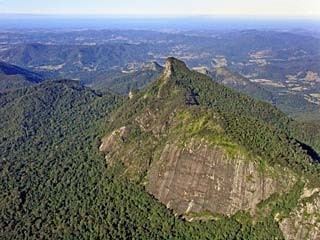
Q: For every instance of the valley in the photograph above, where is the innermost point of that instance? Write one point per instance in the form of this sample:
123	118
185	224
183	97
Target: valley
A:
286	65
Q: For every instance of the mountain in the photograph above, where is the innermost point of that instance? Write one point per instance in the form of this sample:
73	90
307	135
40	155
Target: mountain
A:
292	104
282	66
206	151
55	184
236	81
73	61
12	77
295	104
182	138
123	81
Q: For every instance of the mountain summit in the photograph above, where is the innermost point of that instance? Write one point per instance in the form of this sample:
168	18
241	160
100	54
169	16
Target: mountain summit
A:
172	64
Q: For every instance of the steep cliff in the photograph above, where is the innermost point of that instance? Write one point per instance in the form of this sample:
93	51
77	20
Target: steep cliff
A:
198	178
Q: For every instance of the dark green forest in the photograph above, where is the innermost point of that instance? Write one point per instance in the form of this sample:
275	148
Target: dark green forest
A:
56	185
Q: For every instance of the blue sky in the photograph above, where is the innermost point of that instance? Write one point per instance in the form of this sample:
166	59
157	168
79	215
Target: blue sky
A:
164	7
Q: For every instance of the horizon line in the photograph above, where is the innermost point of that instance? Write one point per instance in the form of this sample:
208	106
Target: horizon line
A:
150	16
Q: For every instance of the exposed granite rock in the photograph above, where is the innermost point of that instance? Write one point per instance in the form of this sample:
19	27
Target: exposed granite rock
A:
200	177
304	222
228	78
109	143
147	120
168	68
152	66
202	70
191	175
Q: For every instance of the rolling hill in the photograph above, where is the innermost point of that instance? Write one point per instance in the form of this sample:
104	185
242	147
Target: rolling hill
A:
295	104
73	61
123	82
12	77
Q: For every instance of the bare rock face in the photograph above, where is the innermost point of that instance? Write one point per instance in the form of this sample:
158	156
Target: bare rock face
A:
304	222
130	95
200	178
110	142
171	65
168	68
152	66
202	70
229	78
191	174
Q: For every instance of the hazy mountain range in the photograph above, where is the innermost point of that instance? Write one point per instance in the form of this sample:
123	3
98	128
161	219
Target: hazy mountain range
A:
103	136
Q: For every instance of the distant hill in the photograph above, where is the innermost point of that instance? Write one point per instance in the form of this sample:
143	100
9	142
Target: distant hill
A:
294	104
238	82
73	61
124	81
282	66
12	77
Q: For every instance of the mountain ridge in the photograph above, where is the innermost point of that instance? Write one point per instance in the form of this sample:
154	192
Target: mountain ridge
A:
12	77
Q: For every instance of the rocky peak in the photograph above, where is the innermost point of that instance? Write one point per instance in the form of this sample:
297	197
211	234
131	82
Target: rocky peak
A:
152	66
229	78
202	70
172	64
130	95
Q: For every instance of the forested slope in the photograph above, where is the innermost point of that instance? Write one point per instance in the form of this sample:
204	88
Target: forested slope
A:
55	184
